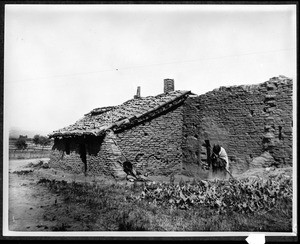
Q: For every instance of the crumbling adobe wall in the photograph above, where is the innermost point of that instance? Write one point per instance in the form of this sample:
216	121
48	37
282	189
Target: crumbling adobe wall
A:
155	146
66	154
245	120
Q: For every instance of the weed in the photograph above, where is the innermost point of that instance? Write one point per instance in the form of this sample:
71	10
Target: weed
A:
181	182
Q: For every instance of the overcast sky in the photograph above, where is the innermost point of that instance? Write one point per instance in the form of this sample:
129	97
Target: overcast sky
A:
62	61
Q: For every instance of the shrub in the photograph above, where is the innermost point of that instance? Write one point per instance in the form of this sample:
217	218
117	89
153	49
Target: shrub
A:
21	143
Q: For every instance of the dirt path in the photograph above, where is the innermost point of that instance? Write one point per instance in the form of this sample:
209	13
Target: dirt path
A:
28	200
32	207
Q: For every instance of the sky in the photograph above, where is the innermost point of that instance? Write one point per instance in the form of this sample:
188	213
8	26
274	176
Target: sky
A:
61	61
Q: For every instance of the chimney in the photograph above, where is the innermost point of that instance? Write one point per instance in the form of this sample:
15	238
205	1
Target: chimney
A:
138	93
168	85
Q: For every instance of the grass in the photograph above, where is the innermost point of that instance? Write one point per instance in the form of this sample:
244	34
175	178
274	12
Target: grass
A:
97	206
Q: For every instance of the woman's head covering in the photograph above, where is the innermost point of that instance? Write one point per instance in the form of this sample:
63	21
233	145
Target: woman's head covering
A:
216	149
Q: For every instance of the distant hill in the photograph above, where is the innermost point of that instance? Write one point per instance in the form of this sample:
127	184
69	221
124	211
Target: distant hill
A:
15	132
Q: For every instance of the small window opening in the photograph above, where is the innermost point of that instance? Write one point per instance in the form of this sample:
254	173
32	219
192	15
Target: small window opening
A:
280	132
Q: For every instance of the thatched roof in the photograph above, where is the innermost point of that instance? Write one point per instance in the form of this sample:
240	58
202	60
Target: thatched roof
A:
130	113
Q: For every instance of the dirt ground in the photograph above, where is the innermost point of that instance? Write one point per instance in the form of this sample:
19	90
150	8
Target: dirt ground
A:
31	205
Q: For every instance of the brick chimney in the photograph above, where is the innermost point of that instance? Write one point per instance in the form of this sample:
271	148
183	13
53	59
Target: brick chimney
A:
138	93
168	85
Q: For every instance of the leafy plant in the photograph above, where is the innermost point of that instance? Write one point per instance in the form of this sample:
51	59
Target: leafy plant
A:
245	196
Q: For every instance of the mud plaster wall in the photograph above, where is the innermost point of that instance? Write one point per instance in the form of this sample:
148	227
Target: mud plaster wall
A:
245	120
109	160
155	145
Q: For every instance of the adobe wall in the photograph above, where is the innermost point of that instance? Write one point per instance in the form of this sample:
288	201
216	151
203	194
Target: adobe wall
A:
155	145
108	160
72	161
245	120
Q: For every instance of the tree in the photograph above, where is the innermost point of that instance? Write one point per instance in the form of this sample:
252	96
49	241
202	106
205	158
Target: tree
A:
21	143
44	141
36	139
41	140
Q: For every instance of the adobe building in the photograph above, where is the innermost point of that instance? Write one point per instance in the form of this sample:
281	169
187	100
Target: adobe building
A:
167	133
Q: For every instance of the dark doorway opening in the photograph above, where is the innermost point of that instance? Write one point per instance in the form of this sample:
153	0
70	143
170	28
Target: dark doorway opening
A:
82	152
206	153
67	146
